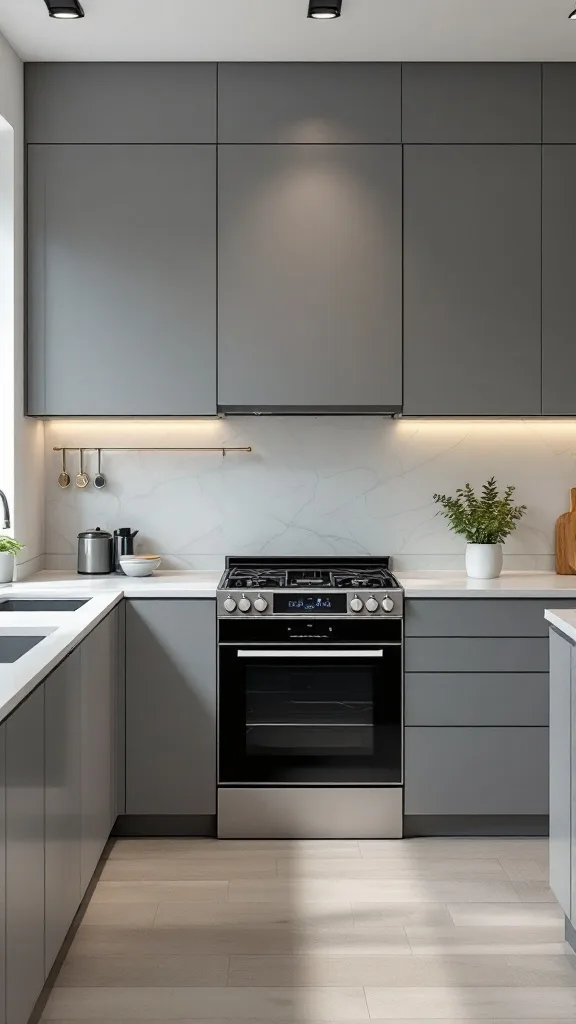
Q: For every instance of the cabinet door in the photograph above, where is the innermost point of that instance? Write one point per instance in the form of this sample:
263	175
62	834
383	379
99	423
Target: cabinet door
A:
62	802
171	707
310	277
25	858
121	280
98	754
471	102
117	101
472	280
2	874
559	93
558	298
476	771
309	102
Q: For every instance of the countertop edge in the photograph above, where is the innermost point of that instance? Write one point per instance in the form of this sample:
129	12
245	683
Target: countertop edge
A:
563	620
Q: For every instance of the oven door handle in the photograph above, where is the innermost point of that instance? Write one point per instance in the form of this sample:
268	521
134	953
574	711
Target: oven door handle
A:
303	653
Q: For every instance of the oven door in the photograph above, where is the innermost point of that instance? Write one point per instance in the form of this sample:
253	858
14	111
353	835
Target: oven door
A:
310	715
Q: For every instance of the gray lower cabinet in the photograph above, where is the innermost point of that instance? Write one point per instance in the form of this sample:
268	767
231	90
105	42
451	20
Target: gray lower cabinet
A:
472	280
121	280
62	801
476	771
477	616
476	698
479	654
310	277
171	707
558	299
562	664
25	971
98	669
2	874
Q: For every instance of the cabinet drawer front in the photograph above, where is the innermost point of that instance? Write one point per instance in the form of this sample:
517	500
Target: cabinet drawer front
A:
471	616
476	771
475	698
478	654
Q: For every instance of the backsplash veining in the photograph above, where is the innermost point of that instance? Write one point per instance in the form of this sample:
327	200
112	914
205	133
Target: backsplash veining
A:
311	485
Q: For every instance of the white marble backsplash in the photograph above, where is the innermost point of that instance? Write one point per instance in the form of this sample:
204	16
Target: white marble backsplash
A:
311	486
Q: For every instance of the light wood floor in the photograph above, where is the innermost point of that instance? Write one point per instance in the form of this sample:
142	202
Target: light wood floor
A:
239	932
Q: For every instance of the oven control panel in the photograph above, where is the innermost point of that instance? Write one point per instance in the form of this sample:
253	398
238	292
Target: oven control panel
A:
291	603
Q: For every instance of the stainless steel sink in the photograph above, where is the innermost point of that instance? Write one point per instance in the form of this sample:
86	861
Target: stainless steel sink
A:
12	604
14	647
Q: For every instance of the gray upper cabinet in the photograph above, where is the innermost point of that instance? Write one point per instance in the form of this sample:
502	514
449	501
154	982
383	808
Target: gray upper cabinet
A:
171	707
558	295
62	801
472	280
473	102
121	280
558	110
25	858
98	661
120	102
310	277
309	103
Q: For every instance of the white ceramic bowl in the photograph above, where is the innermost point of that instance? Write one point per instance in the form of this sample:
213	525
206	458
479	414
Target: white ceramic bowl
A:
134	566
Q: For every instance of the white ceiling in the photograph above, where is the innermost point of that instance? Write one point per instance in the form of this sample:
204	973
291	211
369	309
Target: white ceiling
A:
256	30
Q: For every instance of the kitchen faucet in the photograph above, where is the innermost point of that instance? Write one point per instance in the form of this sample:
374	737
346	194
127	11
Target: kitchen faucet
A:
6	511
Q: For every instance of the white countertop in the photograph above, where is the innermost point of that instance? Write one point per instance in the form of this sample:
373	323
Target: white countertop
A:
62	631
564	621
432	583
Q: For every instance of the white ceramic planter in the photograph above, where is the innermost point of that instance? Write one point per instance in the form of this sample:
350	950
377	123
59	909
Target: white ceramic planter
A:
483	561
6	567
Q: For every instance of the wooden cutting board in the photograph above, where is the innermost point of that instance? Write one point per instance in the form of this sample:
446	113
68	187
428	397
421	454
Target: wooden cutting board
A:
566	539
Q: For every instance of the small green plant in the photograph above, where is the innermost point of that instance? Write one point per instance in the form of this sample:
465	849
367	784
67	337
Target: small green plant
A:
12	547
488	519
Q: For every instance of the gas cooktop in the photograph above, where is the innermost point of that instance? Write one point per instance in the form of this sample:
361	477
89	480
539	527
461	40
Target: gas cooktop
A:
258	579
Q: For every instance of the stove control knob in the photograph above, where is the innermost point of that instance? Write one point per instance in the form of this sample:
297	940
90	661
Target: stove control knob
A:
244	604
371	604
230	604
356	604
260	603
388	604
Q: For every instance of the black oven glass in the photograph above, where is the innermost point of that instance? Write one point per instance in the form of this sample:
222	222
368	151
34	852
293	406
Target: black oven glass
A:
310	717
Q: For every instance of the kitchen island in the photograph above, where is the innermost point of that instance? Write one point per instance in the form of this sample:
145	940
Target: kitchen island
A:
563	764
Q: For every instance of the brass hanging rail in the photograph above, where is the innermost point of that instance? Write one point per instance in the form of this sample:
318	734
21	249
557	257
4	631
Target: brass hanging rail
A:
223	449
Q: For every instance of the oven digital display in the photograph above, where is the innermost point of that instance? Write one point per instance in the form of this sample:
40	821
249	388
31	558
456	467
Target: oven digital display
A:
310	604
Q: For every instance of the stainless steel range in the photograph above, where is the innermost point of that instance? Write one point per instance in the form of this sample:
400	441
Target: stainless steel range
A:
310	699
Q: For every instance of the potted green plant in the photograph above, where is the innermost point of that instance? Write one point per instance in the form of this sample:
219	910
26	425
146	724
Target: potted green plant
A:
485	522
8	549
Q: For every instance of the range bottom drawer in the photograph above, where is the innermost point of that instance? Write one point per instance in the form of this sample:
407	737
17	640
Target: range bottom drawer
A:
476	770
476	698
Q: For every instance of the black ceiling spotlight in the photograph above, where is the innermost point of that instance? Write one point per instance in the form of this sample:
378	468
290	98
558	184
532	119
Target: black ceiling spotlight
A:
64	9
572	16
325	10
